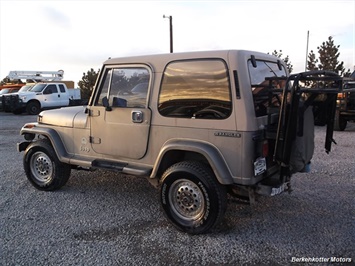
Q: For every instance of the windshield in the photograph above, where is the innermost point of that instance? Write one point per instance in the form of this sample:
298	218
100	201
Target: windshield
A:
38	87
25	88
3	91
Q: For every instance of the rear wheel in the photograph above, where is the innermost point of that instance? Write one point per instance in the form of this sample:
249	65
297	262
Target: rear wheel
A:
42	167
191	197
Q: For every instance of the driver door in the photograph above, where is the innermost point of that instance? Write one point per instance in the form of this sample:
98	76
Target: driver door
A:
50	96
120	119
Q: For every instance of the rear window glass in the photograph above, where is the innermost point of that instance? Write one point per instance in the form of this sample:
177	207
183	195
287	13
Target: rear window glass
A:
260	86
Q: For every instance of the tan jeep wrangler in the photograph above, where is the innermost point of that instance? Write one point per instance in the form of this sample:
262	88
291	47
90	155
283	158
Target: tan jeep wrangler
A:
198	125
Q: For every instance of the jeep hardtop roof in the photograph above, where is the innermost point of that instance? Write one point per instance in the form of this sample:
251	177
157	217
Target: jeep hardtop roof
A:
159	61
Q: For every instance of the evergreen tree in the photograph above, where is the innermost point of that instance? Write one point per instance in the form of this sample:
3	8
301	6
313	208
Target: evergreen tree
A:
10	81
328	58
87	83
285	59
312	61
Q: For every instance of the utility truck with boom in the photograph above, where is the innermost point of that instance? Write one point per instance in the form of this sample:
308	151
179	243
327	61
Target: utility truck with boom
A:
197	125
49	93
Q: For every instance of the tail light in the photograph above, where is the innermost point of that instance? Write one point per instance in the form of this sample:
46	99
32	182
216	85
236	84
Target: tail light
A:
341	95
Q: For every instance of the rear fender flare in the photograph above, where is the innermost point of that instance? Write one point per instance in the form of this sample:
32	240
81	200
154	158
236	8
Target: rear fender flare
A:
209	152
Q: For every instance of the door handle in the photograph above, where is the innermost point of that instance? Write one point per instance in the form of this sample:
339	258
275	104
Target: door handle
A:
137	116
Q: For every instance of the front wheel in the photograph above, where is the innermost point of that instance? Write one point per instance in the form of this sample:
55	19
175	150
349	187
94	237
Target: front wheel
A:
191	197
339	121
42	167
33	108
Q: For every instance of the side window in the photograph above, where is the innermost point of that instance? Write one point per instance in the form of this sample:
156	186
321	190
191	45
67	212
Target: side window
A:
50	89
195	89
125	87
61	88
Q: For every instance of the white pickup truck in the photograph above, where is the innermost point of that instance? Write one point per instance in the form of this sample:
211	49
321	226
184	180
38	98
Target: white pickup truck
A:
41	96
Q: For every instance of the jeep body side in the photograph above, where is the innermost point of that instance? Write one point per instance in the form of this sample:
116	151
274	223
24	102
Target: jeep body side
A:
197	125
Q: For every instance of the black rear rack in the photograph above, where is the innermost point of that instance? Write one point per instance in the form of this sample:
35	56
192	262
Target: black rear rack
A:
301	91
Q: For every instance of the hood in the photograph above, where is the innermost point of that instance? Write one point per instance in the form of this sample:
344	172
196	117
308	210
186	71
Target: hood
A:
63	117
25	93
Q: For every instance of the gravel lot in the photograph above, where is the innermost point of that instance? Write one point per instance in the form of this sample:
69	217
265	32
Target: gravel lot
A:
103	218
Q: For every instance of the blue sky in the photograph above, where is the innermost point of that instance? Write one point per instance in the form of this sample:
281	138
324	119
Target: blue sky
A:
78	35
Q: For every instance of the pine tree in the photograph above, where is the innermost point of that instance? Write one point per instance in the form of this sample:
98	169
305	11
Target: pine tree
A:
312	61
10	81
87	83
328	58
285	59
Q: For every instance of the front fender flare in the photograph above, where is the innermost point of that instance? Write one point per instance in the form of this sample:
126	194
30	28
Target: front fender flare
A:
53	137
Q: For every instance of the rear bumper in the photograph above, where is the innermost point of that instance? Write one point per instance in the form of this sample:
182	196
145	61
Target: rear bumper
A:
272	189
349	114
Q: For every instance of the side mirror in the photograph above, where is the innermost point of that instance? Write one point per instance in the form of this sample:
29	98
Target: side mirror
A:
279	64
253	61
106	104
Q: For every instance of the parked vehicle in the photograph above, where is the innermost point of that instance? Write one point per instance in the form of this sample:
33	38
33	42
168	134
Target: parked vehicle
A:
40	97
9	88
346	105
49	91
198	125
5	92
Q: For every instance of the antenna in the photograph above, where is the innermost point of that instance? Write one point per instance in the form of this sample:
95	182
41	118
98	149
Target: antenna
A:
305	67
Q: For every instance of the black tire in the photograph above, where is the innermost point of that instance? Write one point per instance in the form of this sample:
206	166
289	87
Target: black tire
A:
192	198
340	122
33	108
42	167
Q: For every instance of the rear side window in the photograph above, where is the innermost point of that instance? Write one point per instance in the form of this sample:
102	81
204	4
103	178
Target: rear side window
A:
50	89
195	89
61	87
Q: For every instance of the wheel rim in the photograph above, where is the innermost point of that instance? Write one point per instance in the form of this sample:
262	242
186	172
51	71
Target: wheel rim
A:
41	167
187	200
34	109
